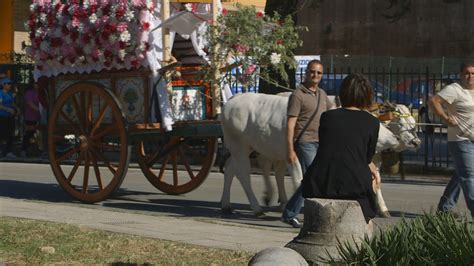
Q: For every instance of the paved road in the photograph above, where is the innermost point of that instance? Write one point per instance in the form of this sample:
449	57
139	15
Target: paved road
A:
31	191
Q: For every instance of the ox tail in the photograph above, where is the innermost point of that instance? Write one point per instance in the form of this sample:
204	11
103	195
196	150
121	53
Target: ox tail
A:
296	173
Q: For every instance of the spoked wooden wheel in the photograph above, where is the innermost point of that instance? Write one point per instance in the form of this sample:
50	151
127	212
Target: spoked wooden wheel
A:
87	142
194	155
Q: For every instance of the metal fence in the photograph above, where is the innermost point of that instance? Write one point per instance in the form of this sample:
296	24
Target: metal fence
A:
412	89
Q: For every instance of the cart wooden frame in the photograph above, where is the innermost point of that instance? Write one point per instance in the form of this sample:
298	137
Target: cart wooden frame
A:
91	142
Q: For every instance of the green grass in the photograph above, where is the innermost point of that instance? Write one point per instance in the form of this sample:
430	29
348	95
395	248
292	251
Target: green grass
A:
21	242
426	240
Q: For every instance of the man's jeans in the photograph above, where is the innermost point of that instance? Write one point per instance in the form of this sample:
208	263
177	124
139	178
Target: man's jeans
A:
463	155
306	152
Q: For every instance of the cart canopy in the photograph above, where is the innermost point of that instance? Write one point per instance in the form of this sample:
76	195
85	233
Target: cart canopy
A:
76	37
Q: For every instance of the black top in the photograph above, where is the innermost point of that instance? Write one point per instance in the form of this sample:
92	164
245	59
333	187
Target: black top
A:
347	141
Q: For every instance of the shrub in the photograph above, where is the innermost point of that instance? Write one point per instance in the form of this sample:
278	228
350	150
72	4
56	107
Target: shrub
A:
427	239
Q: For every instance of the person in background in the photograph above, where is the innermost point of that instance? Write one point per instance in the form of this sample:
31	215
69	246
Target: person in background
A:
8	112
305	106
343	167
458	97
31	117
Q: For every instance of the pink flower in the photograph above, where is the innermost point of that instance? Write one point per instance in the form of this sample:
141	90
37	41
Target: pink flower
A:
122	26
75	22
225	12
146	26
250	69
259	14
239	48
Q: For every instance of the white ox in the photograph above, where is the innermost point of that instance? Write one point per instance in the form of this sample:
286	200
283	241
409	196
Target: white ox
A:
257	122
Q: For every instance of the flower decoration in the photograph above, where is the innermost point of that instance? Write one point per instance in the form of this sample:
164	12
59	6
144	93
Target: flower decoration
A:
110	33
248	39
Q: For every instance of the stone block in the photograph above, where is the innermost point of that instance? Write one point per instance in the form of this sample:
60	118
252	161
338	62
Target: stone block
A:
277	256
325	222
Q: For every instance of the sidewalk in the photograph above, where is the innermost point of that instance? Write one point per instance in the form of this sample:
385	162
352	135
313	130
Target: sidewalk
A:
187	230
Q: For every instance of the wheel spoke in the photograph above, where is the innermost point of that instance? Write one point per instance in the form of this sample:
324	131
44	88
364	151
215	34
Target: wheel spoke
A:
97	171
153	158
89	111
162	169
57	138
107	146
78	131
75	167
99	119
79	114
85	183
186	164
109	129
175	169
67	154
107	163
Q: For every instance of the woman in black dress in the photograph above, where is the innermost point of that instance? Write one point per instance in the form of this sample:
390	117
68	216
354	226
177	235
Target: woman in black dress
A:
343	167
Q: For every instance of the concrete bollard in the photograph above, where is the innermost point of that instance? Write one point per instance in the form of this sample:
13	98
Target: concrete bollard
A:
277	256
326	221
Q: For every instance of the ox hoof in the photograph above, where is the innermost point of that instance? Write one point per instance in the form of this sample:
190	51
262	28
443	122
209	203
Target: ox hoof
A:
227	211
385	214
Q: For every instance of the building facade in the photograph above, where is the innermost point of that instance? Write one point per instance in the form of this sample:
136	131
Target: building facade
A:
416	29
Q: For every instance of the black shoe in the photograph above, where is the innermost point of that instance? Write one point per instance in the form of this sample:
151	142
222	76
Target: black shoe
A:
293	222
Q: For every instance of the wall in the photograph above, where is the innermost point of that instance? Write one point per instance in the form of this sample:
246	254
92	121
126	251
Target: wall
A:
6	31
431	28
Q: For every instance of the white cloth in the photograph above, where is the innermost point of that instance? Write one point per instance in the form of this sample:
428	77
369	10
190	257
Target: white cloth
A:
185	23
461	106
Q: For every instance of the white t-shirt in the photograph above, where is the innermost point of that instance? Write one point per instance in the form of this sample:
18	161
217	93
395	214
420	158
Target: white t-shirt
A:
461	106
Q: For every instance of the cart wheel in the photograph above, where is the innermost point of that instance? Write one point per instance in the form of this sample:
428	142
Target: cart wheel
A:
195	155
88	133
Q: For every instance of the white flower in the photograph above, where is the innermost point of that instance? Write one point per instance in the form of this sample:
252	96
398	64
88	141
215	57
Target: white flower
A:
125	36
189	7
69	137
43	17
93	18
71	9
149	4
129	15
122	54
80	28
27	26
33	7
275	58
39	32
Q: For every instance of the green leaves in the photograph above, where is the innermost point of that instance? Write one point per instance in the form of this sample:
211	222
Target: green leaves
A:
249	38
428	239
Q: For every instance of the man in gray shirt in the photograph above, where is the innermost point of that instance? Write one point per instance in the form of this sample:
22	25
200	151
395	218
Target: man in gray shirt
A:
305	106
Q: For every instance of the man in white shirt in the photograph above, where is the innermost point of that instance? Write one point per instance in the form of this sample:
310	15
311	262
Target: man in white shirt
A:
458	98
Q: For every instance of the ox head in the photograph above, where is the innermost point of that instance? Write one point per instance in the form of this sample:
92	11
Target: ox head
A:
387	140
403	126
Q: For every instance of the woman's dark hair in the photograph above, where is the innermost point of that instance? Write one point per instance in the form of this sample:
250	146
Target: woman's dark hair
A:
356	91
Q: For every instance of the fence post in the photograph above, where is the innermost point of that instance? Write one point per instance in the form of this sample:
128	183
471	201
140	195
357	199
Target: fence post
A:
426	116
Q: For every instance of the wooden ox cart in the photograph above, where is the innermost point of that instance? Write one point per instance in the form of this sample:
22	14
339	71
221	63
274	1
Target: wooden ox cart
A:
101	120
